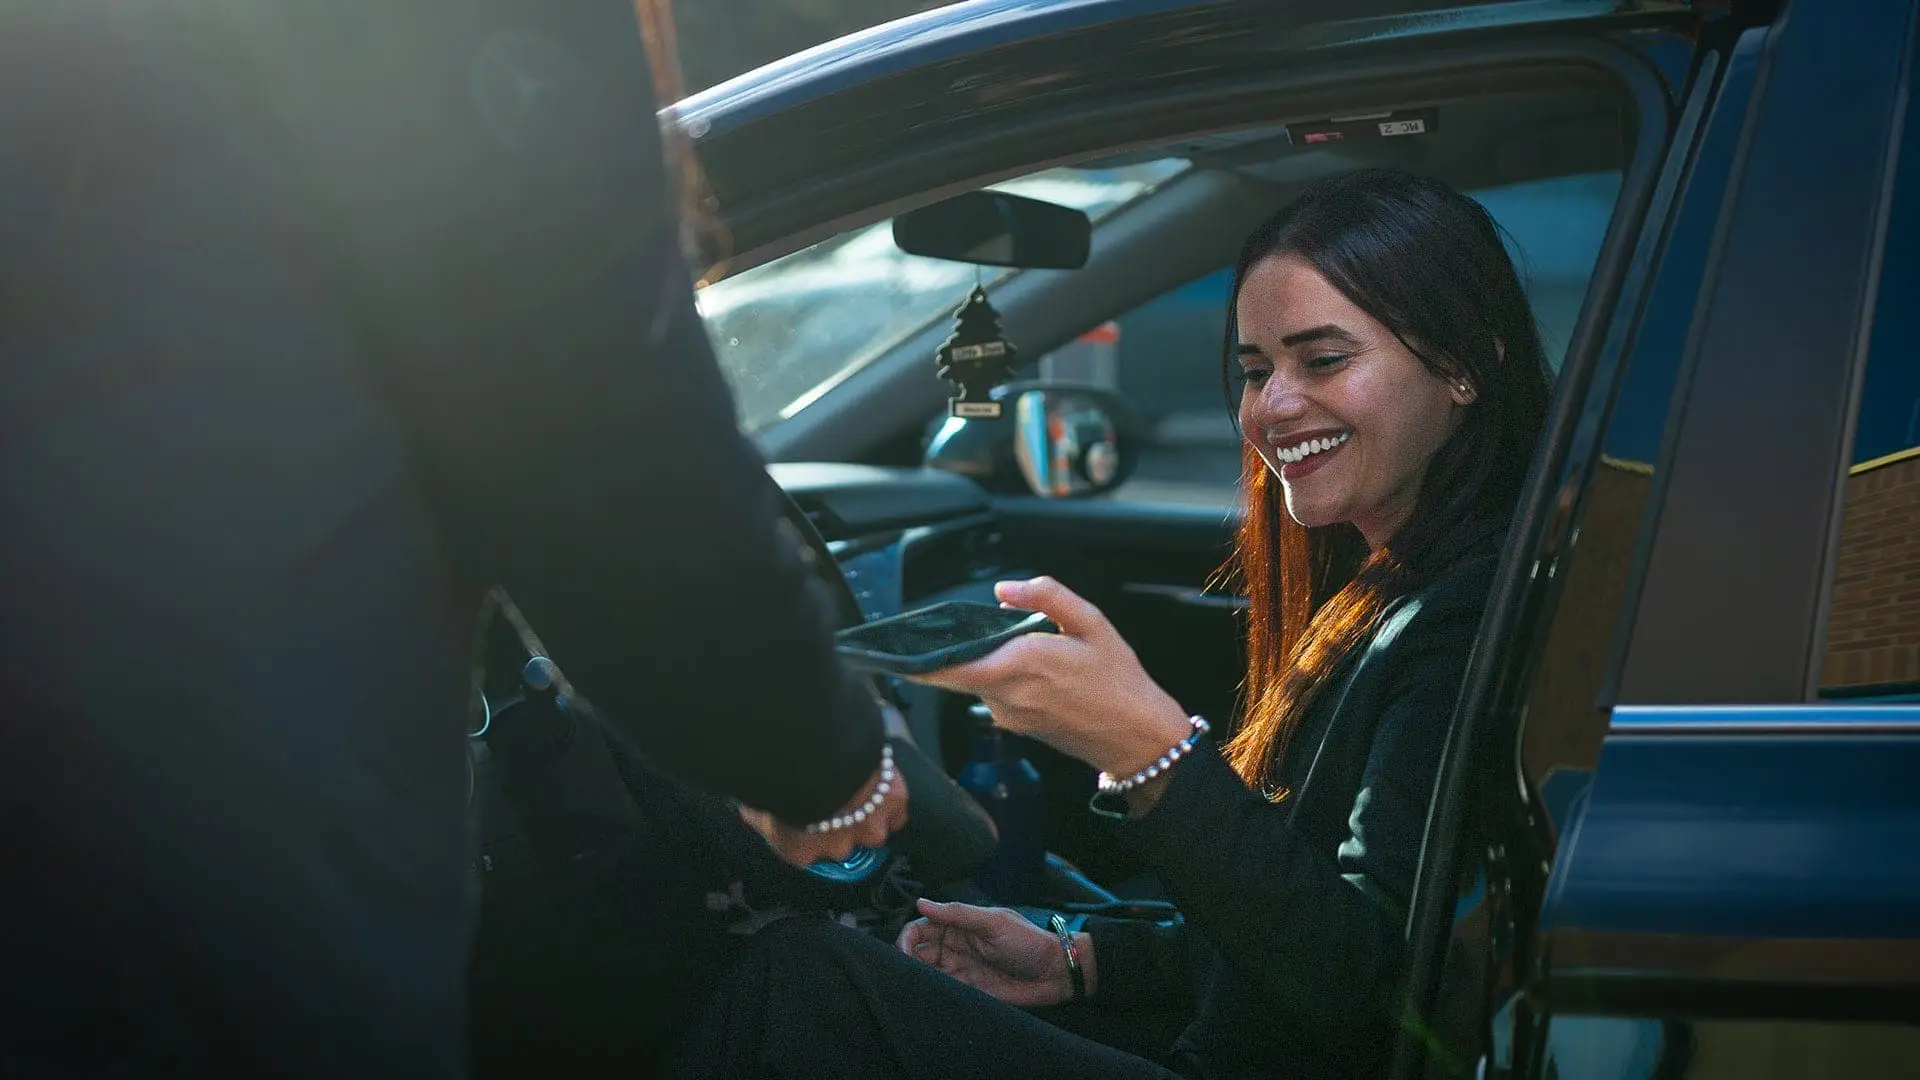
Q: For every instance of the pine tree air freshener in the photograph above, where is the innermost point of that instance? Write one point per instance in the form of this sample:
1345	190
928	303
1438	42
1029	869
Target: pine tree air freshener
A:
975	358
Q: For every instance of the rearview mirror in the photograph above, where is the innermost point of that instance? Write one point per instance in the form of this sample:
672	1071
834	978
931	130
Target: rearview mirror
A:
993	228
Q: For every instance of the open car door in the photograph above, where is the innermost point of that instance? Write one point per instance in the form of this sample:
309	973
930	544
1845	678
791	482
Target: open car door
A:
1665	843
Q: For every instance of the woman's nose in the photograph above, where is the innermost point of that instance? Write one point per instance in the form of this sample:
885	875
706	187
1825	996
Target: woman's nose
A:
1279	400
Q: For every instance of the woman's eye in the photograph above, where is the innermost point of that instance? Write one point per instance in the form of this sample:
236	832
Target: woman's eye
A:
1321	363
1254	376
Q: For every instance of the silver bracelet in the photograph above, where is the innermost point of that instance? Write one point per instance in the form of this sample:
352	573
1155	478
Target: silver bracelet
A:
1109	786
864	810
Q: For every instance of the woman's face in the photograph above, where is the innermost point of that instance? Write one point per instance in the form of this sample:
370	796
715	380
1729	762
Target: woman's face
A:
1342	413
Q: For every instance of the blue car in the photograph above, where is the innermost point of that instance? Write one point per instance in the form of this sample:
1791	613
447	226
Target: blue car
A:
1678	825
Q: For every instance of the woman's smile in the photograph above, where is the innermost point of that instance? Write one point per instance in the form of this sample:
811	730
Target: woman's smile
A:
1301	456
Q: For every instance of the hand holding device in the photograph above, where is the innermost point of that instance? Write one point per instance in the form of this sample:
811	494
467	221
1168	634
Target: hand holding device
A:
931	638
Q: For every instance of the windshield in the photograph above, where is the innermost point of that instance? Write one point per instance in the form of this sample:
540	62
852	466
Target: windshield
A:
787	331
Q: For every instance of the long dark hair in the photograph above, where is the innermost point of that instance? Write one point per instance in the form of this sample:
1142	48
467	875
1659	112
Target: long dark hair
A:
1428	263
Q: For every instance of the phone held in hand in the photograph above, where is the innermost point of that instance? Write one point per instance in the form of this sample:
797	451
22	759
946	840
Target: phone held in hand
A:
936	637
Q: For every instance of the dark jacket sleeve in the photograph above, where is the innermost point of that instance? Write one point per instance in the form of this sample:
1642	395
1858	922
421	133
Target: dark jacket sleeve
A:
491	177
1319	933
1143	963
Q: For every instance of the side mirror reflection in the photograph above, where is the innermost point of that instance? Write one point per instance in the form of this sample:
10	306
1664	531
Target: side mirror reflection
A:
1066	444
1056	440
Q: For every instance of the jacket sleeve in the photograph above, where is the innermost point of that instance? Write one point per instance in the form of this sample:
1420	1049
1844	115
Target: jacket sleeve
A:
1143	963
491	176
1319	933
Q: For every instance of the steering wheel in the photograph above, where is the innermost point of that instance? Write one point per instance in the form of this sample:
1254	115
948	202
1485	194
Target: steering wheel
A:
948	834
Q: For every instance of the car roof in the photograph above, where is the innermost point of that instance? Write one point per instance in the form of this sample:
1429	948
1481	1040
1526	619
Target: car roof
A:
981	28
926	37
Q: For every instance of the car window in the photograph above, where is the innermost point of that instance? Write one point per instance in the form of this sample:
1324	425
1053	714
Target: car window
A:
1164	355
1873	616
788	330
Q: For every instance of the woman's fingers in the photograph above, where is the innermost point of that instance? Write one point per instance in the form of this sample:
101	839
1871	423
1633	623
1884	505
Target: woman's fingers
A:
758	820
961	916
974	675
920	939
1022	659
938	947
1074	615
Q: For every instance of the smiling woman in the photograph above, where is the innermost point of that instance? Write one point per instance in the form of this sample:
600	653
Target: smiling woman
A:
1394	390
1393	376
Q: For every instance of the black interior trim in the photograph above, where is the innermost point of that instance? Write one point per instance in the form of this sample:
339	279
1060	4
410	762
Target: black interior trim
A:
1119	522
1870	690
1184	595
846	501
1615	993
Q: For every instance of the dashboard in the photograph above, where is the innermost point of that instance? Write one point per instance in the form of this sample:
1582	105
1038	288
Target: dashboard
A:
905	538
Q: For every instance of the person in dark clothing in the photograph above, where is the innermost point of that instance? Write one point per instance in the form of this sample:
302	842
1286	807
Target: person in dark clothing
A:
1393	390
317	321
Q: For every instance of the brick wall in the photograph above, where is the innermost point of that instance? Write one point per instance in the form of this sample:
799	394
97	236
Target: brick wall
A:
1874	629
1873	633
1563	725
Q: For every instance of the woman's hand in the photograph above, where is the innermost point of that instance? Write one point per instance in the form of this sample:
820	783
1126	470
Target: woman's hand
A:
802	848
1081	691
996	950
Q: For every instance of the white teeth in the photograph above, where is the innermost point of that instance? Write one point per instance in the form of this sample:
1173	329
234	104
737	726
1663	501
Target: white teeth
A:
1308	448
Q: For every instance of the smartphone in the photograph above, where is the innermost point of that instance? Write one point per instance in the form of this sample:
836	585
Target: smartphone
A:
935	637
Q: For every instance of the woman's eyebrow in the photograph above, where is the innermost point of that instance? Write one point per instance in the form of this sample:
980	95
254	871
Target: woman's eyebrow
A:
1247	349
1318	333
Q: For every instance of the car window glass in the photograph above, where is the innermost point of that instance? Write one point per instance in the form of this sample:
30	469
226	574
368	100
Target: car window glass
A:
1873	617
790	329
1164	355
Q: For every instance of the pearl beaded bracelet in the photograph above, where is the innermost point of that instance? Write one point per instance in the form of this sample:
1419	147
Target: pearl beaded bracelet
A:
866	809
1110	786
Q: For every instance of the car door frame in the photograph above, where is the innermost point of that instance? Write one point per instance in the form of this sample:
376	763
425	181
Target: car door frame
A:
1723	464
